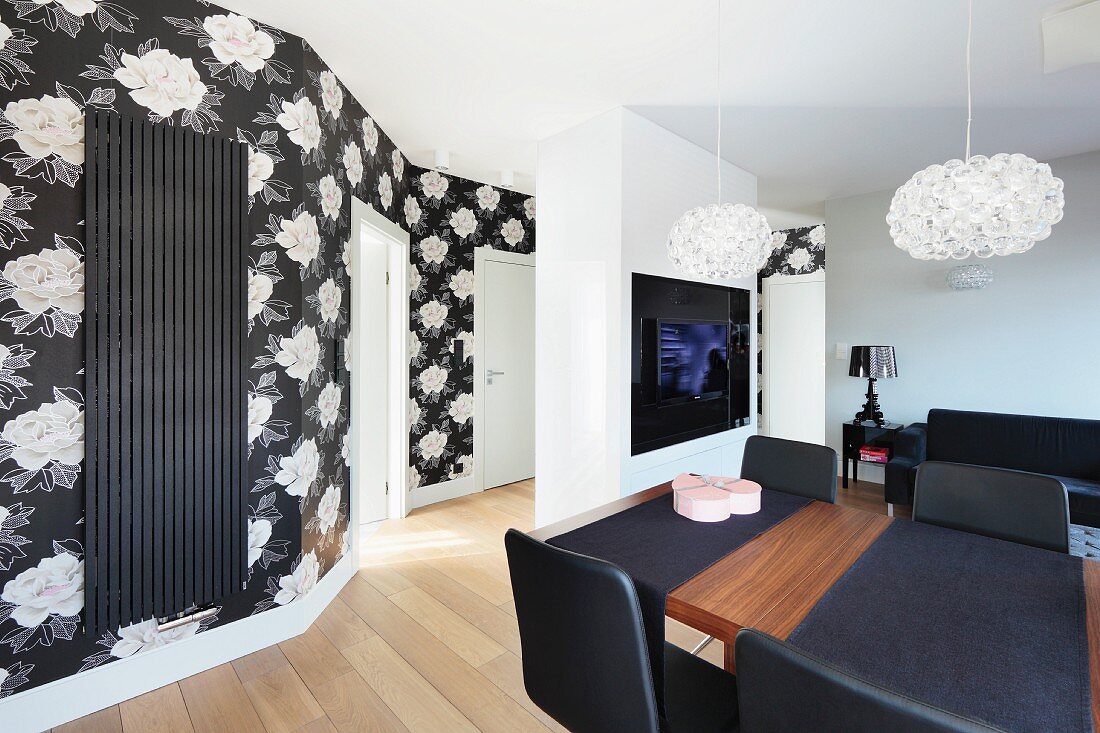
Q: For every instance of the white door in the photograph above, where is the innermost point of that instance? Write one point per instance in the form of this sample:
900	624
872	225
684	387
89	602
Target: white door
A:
794	357
371	377
508	371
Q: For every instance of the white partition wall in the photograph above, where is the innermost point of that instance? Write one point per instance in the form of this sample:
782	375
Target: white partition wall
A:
609	191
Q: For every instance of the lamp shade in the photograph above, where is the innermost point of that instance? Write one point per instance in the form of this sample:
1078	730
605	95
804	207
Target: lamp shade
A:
873	362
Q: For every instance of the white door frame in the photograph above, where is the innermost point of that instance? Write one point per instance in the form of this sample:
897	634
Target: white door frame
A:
765	293
481	256
398	367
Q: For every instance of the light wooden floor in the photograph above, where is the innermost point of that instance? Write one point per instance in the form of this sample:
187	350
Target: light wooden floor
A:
424	639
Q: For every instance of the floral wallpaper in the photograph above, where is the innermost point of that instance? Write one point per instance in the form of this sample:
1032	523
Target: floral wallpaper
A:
312	146
796	252
448	218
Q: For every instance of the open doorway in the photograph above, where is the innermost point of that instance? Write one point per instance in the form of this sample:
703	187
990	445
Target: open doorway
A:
504	367
376	357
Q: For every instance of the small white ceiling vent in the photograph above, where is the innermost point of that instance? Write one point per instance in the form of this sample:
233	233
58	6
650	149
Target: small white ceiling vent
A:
1071	37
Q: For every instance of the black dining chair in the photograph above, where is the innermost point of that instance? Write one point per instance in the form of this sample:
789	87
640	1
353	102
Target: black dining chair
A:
1027	508
585	659
803	469
782	689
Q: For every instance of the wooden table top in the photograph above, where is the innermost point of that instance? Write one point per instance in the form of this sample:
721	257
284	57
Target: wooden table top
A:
773	581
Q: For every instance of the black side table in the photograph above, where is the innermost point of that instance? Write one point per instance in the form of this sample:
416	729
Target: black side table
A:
856	435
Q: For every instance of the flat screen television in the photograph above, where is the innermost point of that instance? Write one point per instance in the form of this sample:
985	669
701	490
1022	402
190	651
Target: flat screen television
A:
693	361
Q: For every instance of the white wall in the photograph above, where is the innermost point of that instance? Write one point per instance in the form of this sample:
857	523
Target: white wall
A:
577	296
1029	343
609	191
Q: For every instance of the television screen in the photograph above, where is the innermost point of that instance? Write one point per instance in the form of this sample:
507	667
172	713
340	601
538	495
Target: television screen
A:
694	360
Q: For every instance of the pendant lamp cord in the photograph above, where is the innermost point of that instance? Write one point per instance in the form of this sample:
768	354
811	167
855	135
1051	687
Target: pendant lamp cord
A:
719	75
969	98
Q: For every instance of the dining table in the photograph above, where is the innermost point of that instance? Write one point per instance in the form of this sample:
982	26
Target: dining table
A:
957	619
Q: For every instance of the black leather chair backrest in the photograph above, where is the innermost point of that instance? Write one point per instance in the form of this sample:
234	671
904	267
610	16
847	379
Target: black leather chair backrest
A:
805	469
1010	505
780	689
585	660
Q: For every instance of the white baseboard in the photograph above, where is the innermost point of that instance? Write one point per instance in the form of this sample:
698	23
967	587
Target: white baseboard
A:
425	495
60	701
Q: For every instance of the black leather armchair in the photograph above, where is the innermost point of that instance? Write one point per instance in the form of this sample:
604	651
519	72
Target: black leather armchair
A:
1067	449
910	450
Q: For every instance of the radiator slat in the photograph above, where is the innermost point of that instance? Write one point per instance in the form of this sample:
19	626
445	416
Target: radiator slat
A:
165	394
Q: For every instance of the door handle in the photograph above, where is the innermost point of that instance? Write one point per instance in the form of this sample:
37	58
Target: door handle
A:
489	374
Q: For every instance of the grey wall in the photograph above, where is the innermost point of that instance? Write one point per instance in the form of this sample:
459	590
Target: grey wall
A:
1029	343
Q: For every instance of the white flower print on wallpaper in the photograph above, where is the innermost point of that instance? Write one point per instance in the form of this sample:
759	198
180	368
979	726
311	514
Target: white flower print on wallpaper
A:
398	161
462	284
353	163
412	214
332	197
162	83
303	126
298	471
300	582
242	48
48	289
49	132
300	355
44	601
385	190
178	63
46	444
370	137
463	222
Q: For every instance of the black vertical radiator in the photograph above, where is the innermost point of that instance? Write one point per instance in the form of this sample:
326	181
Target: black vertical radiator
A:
165	399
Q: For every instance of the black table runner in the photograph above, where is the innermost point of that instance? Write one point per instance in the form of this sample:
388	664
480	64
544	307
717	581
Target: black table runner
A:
660	550
984	628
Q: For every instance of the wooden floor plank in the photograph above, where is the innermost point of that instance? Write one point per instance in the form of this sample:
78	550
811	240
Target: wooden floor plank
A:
216	702
489	618
259	663
342	626
387	580
160	711
282	700
321	725
105	721
419	706
456	632
353	706
480	700
314	657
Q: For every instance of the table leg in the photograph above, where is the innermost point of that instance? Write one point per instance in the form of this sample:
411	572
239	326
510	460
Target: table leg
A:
844	472
855	469
728	658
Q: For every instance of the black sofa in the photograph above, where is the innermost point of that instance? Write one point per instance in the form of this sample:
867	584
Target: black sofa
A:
1065	448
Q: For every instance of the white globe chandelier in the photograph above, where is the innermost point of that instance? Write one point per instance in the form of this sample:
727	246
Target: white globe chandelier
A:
981	206
720	241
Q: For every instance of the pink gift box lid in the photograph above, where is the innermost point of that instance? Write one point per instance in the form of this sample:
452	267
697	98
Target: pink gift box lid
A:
743	486
703	493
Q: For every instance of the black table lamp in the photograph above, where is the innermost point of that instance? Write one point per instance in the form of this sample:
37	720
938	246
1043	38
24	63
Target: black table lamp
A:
872	363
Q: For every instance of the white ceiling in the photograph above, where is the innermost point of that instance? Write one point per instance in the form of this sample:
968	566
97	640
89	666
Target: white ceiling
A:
822	99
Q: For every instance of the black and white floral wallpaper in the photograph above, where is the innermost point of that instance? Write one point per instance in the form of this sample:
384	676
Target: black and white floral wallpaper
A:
448	218
312	147
797	252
